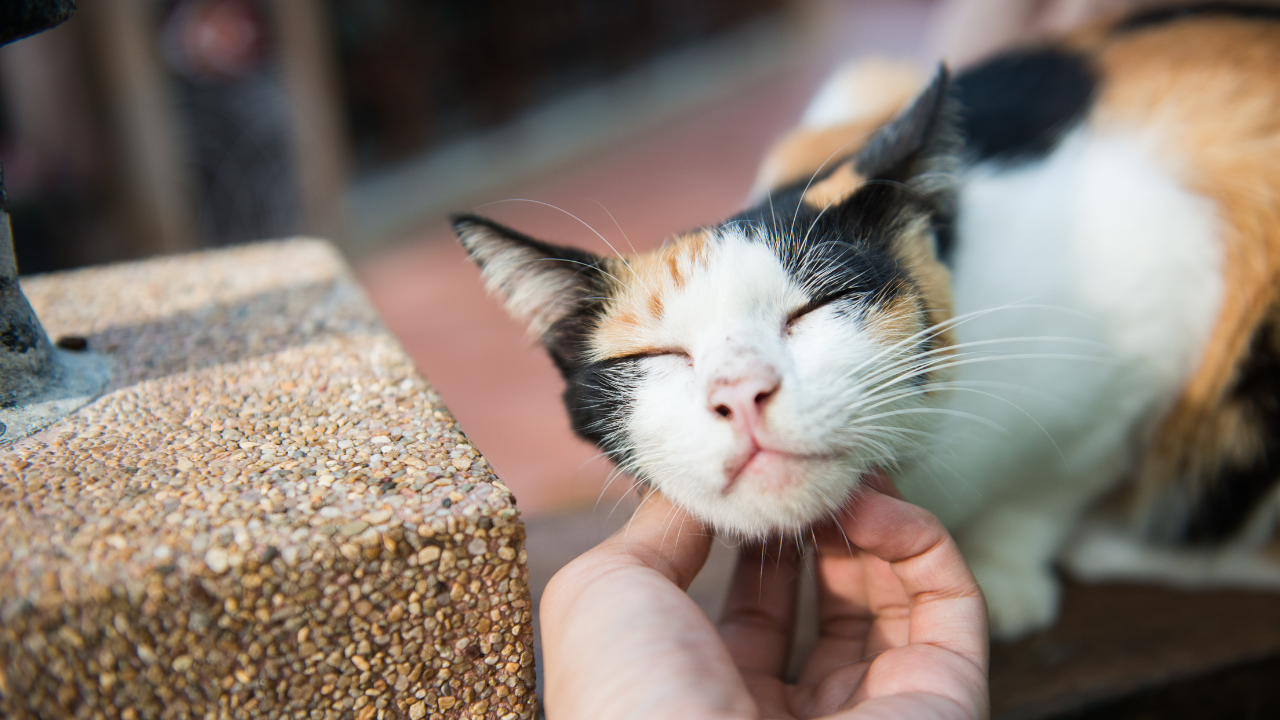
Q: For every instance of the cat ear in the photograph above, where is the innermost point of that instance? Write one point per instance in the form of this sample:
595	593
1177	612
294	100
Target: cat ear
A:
920	145
540	283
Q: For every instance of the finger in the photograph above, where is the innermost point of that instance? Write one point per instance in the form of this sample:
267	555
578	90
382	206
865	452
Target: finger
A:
945	604
886	599
855	624
845	614
864	606
759	612
619	634
665	537
844	617
890	605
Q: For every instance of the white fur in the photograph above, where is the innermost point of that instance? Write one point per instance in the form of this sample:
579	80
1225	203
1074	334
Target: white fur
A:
862	90
1100	246
730	317
1090	281
1105	549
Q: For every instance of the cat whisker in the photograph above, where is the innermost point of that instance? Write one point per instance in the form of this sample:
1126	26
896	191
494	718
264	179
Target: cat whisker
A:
945	363
944	385
908	370
617	225
668	520
1006	401
773	216
597	268
645	499
940	411
954	322
883	452
613	475
588	226
870	402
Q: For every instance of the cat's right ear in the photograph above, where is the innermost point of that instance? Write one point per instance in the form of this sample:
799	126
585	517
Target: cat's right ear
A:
540	283
920	145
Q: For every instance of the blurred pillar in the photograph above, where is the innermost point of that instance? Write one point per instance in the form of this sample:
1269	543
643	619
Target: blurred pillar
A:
310	77
156	188
47	103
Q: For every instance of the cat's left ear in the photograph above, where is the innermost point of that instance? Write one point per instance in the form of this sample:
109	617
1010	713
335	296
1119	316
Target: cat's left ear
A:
540	283
920	146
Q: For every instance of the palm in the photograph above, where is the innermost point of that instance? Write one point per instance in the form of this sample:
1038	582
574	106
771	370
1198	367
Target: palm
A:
900	639
863	649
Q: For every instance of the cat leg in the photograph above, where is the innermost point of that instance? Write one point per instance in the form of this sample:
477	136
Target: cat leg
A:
1011	548
1106	548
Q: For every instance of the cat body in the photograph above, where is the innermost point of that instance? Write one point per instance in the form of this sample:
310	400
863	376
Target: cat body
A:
1047	281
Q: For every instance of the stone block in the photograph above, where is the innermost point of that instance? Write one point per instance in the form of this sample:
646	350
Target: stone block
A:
269	513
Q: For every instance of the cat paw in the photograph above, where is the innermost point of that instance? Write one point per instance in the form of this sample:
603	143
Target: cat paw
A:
1020	600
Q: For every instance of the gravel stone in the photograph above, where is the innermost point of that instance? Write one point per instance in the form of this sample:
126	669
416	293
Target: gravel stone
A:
214	537
355	527
216	560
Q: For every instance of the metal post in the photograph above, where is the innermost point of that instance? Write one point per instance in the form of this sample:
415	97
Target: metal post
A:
39	383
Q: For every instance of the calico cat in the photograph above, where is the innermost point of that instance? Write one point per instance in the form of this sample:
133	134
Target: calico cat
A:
1049	281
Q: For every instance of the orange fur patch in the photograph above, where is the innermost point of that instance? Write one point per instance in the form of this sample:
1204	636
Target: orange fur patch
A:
897	320
835	188
806	152
629	325
1210	89
914	252
876	91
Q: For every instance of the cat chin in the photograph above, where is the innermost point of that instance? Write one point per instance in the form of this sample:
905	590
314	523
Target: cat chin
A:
774	495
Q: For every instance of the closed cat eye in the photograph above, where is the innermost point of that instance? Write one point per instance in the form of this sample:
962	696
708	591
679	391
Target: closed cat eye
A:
664	352
818	302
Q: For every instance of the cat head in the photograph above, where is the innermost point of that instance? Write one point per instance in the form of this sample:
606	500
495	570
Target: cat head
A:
754	370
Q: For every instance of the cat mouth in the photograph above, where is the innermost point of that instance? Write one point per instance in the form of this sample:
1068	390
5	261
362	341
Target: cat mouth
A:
759	461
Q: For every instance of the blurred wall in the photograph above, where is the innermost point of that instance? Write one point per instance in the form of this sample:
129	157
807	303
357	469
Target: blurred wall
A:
149	126
417	73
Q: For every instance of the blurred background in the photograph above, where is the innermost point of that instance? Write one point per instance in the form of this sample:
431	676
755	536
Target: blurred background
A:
155	126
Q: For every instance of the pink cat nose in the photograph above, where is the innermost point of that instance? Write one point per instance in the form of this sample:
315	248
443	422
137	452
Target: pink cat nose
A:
742	401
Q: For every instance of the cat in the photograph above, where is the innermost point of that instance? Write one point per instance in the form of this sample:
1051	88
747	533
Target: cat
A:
1041	295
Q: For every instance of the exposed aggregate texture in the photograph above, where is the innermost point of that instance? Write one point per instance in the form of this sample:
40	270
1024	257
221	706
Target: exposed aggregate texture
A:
268	514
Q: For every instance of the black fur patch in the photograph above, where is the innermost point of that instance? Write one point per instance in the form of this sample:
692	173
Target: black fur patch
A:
889	153
599	398
1232	497
1016	106
843	251
1162	16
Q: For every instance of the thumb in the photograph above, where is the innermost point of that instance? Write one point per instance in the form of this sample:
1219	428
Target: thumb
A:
665	537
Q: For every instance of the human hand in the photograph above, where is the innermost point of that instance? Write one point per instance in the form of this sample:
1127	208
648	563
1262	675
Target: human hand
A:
903	630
